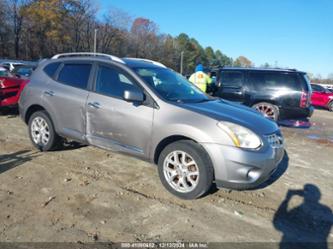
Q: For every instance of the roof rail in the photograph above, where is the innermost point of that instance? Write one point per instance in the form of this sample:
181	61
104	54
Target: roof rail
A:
147	60
111	57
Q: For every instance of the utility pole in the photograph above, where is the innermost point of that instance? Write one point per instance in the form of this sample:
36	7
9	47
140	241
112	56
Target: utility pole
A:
95	40
181	62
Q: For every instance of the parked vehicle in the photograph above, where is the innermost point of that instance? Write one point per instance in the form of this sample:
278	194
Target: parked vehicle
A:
10	65
10	88
3	71
24	71
322	97
276	93
144	109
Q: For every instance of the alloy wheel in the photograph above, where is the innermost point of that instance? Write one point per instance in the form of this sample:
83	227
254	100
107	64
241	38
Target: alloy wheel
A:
267	110
181	171
40	131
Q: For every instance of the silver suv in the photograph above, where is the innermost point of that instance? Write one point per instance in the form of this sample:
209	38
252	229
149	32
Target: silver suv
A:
142	108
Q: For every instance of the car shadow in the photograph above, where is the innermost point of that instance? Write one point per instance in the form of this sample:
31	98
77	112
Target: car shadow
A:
320	108
307	225
9	112
12	160
71	145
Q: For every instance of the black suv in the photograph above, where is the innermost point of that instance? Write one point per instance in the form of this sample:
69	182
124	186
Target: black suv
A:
277	93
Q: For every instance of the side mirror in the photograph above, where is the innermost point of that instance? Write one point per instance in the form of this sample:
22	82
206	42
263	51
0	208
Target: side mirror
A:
133	94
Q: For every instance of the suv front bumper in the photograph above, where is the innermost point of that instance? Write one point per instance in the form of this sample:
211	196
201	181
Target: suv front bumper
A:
237	168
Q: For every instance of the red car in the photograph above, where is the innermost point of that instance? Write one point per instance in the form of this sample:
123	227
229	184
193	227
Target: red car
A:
322	97
10	88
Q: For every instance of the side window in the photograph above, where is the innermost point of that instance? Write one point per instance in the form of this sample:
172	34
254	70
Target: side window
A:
75	75
111	81
315	88
318	88
258	80
51	68
271	80
232	79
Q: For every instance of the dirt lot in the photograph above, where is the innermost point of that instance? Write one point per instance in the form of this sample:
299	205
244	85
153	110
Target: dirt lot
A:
86	194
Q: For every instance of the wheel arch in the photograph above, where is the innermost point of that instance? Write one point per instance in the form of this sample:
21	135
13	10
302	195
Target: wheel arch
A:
31	110
165	142
270	101
330	102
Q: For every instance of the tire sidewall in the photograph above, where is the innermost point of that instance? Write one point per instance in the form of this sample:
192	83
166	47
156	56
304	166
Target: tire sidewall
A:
330	106
204	164
52	138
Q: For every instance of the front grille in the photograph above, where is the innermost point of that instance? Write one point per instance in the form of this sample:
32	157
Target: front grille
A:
275	140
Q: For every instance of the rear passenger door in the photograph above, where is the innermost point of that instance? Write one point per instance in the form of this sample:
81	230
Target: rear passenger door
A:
232	85
112	122
282	88
65	98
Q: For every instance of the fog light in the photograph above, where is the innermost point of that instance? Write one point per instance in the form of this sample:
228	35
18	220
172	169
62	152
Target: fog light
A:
253	174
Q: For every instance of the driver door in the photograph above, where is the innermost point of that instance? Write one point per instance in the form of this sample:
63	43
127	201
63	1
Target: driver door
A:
112	122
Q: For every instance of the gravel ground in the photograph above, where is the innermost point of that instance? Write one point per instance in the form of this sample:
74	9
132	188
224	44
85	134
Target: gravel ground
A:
88	194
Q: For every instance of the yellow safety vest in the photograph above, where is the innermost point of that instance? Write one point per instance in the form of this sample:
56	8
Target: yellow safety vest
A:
200	79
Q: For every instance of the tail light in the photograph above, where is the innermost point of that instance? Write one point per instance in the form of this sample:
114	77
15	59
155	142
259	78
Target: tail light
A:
305	100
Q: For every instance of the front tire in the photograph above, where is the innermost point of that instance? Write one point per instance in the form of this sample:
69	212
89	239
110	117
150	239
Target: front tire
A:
268	110
330	106
185	169
42	133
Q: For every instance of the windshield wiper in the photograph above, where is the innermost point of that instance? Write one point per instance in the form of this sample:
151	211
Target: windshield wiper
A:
205	100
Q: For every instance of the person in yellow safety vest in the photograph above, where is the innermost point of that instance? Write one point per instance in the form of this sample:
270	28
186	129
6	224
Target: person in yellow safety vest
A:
200	79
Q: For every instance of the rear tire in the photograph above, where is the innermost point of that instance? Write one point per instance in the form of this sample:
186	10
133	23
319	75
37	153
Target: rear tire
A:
185	169
42	133
268	110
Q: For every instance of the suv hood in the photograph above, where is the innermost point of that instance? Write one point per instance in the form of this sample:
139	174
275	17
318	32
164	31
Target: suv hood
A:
222	110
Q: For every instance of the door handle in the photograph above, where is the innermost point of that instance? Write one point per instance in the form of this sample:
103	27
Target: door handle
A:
49	93
95	105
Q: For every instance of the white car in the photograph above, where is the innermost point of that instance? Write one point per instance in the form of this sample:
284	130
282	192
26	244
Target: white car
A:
11	65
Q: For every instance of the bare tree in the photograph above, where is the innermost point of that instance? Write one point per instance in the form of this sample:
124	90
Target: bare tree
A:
16	17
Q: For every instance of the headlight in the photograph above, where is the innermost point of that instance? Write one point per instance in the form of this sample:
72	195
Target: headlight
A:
241	136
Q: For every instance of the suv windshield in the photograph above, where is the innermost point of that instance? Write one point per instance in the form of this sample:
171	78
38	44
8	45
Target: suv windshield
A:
171	85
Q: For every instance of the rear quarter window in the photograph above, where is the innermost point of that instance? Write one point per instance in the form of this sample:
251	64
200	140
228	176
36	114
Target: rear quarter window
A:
273	80
305	81
75	75
51	68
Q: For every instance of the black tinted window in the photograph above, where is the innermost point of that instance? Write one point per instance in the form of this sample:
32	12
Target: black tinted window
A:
317	88
233	79
266	80
111	81
50	69
76	75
